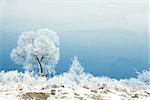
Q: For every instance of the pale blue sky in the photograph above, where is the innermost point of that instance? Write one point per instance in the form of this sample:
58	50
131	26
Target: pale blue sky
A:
107	35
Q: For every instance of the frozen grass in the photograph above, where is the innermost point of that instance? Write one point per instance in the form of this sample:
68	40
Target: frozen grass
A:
76	84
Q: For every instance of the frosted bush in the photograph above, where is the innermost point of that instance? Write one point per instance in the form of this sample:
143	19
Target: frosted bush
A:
75	77
144	76
11	76
76	68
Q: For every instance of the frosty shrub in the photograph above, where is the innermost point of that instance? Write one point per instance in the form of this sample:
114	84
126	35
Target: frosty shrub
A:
76	68
75	77
76	71
71	78
144	76
34	48
11	76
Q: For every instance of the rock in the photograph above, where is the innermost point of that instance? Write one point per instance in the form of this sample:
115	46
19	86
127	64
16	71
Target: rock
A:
101	87
76	94
85	87
135	96
108	90
62	86
94	91
42	88
53	92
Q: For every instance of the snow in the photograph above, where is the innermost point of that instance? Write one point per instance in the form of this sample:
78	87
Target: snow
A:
16	85
76	84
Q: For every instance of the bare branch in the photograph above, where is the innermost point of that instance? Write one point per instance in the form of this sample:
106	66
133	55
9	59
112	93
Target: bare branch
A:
43	56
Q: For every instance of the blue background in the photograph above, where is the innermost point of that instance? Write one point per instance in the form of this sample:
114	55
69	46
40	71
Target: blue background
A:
110	39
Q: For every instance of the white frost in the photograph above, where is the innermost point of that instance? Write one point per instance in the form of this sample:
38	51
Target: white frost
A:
74	85
43	42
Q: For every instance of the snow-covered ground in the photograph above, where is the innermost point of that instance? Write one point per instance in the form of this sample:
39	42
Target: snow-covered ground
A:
69	86
77	93
76	84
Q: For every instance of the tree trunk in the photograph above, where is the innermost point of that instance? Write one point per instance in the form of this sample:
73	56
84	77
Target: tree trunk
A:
41	68
40	65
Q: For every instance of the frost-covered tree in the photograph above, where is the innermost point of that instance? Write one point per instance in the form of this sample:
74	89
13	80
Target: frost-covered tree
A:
37	47
76	71
76	67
